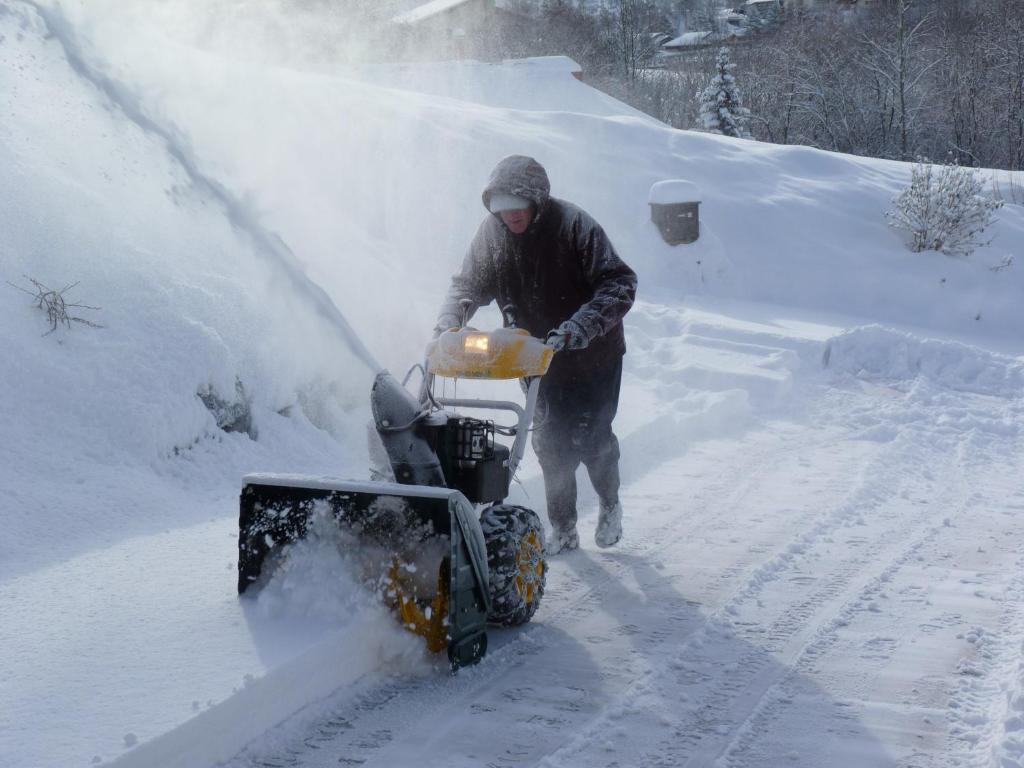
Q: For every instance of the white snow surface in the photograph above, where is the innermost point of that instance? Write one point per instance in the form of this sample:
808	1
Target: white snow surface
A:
673	191
426	10
821	431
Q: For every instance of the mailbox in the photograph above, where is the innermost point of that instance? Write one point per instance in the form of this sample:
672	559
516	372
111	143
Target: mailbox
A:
675	210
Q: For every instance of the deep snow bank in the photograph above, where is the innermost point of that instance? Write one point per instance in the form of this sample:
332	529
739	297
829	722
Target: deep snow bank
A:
975	391
103	433
875	352
118	630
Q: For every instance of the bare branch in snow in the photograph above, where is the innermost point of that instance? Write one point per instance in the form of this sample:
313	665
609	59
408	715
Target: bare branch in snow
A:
57	307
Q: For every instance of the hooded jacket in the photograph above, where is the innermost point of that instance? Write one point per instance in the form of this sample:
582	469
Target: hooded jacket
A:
563	267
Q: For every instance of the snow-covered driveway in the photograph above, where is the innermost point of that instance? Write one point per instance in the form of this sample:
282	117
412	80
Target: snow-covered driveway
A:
841	584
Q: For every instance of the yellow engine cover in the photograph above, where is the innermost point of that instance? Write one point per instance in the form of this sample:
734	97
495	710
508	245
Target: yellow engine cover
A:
507	353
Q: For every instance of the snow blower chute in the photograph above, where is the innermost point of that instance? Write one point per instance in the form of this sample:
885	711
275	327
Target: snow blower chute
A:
443	567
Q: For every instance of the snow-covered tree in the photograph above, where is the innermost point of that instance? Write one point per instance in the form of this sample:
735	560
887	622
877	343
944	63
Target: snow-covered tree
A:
721	108
945	211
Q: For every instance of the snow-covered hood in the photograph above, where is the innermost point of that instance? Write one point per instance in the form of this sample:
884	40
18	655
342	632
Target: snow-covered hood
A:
520	176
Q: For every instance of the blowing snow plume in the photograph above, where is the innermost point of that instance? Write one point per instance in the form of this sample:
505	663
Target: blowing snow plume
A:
279	32
197	295
366	186
266	243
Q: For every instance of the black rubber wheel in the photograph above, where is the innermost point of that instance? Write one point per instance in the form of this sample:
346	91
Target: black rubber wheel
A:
515	562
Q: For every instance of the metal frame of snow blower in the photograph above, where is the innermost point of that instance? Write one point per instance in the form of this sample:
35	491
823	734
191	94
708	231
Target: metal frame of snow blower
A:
524	414
268	519
276	510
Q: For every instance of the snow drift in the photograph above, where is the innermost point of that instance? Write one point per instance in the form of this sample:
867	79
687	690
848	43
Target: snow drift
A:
881	353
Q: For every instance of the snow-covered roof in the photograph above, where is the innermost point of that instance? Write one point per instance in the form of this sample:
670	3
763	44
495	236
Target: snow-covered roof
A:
687	39
426	10
555	64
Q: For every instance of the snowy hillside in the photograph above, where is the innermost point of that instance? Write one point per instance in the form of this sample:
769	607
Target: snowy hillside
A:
820	429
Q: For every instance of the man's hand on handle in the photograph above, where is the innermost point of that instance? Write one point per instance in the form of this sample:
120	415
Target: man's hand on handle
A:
569	335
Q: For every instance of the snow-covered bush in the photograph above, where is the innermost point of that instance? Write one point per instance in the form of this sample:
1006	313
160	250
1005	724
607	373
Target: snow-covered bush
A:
944	211
233	415
721	108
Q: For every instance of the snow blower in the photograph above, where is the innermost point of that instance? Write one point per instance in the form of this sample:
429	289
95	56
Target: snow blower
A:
443	567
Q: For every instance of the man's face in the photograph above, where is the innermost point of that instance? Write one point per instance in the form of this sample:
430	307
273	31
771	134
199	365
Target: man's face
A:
517	221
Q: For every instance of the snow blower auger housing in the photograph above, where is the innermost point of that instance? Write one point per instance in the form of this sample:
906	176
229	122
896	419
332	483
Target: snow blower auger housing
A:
444	551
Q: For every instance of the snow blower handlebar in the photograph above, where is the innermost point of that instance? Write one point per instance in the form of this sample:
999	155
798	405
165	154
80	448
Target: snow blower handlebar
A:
507	353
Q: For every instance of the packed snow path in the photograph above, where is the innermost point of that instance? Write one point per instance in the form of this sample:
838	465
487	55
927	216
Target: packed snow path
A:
840	585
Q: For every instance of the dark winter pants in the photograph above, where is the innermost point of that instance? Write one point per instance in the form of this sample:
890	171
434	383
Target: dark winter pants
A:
573	424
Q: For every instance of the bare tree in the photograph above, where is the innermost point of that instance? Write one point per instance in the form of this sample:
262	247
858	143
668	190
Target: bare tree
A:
895	78
634	24
895	55
698	15
1005	43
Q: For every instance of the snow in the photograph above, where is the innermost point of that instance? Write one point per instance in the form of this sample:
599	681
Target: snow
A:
687	39
149	638
333	484
427	10
820	429
673	191
879	353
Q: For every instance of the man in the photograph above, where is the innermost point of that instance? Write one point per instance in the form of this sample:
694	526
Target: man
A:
554	272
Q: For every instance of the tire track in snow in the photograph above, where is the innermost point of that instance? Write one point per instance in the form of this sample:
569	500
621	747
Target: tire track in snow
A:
1009	737
964	472
974	682
986	707
784	641
709	729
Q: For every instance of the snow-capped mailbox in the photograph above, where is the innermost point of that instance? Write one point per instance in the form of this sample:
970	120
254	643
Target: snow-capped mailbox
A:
675	210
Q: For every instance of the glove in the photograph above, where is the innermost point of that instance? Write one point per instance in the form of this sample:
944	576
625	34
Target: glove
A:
445	323
569	335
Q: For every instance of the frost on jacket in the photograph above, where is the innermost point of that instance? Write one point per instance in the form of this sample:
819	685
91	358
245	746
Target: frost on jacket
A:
563	267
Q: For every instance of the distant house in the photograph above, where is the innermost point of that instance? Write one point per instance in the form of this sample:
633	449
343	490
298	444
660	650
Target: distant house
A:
658	39
762	10
689	41
810	4
439	28
731	21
